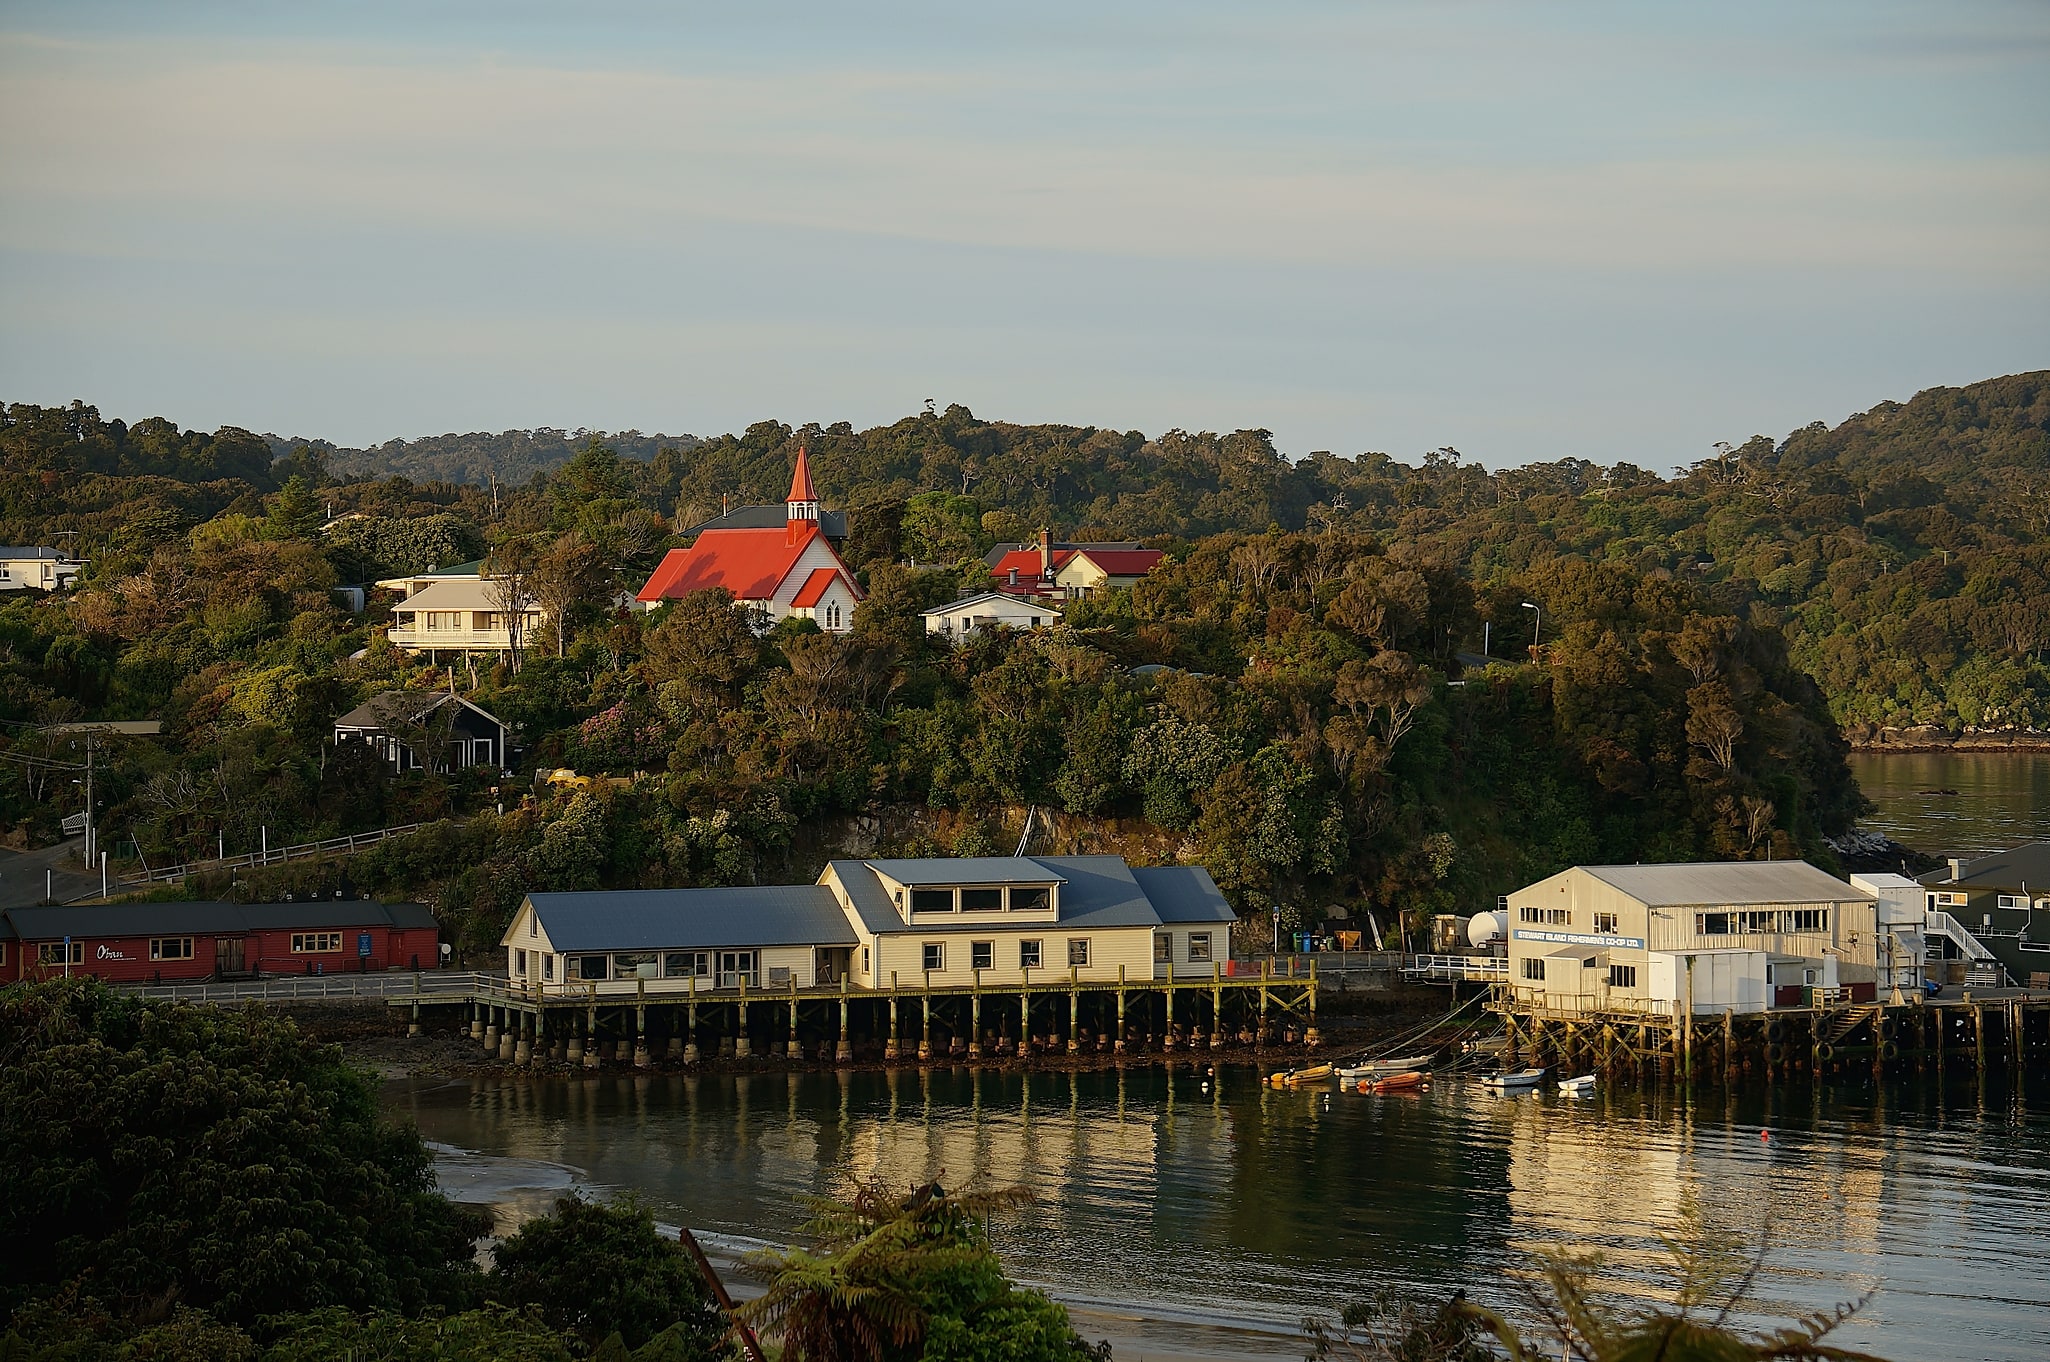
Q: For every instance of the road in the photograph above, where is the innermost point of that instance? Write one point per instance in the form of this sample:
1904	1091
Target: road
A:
22	875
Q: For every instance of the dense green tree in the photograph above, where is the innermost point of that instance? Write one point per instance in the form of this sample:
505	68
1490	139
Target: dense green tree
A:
158	1155
595	1269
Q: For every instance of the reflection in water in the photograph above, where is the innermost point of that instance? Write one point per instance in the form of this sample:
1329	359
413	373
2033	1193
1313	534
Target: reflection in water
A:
2001	799
1249	1204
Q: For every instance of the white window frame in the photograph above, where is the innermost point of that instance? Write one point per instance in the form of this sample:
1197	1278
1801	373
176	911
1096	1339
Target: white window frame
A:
1037	946
982	955
932	956
1605	924
1078	952
1534	968
1163	948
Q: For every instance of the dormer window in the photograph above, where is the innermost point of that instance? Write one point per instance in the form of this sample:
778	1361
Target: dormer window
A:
982	900
932	900
1031	898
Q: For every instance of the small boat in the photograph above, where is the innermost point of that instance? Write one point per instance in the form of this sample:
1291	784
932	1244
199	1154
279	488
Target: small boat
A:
1516	1081
1381	1068
1582	1084
1297	1078
1413	1081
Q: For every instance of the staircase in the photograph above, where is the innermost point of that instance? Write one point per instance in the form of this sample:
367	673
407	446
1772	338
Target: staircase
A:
1849	1020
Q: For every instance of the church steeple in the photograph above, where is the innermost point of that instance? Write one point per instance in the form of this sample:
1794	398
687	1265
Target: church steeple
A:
801	507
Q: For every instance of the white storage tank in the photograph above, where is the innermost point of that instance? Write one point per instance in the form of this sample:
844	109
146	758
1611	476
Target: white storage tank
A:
1485	929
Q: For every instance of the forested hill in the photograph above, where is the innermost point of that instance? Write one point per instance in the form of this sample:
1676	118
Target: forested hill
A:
1901	552
511	456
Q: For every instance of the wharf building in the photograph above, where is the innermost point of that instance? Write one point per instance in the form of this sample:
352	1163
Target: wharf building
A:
167	943
992	954
1741	935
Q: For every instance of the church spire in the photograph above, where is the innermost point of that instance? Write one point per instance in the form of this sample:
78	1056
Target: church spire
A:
801	507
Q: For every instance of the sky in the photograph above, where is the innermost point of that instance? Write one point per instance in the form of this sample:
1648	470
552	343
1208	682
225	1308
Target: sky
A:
1527	230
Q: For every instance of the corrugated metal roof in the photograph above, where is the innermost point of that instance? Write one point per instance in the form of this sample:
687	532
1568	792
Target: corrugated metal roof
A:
871	901
1183	893
209	918
1099	891
658	919
2009	869
974	869
1727	882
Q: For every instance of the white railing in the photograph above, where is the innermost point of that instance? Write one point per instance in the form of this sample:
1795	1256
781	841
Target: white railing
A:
1943	924
1454	968
348	842
435	984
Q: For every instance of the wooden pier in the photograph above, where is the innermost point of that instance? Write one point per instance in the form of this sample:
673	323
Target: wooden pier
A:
2010	1029
638	1021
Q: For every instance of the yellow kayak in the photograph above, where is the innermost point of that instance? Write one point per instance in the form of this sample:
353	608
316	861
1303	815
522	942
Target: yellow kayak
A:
1296	1078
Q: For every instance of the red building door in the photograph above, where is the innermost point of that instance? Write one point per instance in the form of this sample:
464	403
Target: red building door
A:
228	957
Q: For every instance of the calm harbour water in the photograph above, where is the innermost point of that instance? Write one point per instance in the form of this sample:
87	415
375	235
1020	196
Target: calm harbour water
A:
1243	1205
2002	799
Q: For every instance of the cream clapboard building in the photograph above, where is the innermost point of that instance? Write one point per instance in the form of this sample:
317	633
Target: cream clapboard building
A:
1742	935
879	924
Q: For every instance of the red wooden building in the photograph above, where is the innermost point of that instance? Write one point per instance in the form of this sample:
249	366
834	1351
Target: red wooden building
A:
173	942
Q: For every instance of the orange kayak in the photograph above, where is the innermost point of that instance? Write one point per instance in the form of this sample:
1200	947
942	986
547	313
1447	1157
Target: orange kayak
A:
1408	1082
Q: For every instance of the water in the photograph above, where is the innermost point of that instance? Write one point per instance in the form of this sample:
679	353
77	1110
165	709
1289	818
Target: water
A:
2002	799
1248	1206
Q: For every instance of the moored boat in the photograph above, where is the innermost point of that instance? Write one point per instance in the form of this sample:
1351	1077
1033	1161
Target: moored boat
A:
1381	1068
1514	1081
1296	1078
1582	1084
1411	1081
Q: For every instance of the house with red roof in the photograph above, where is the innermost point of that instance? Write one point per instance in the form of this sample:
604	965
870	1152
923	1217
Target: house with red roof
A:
1068	571
783	570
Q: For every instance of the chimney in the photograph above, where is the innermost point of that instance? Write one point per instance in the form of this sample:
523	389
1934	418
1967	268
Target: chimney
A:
1014	576
1046	553
1957	869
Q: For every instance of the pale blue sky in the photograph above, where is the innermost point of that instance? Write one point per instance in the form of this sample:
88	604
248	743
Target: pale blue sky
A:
1529	230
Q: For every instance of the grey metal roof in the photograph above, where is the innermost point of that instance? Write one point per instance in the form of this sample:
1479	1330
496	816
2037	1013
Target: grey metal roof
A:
1183	893
18	551
658	919
1096	891
972	869
2008	870
871	901
209	918
832	524
403	707
1100	891
1727	882
1027	601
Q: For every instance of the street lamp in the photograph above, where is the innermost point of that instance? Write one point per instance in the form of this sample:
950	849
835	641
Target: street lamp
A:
1536	623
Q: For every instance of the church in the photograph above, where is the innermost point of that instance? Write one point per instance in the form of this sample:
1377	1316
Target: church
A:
783	570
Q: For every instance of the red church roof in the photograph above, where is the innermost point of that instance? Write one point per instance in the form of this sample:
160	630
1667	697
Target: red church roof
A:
1124	562
800	481
749	563
815	587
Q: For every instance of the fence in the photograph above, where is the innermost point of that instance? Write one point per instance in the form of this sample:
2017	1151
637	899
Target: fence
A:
429	984
346	844
1447	969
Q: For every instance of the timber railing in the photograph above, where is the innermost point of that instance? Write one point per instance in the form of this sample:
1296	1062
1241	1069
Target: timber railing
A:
1456	968
345	844
395	985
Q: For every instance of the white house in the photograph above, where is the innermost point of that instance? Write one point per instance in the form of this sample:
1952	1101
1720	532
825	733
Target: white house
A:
989	610
35	569
460	614
1745	935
